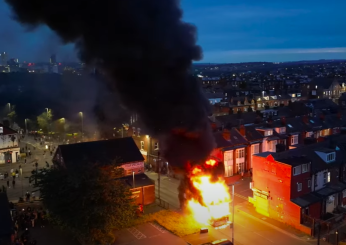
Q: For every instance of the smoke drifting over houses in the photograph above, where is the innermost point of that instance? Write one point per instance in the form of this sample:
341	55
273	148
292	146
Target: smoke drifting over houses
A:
146	51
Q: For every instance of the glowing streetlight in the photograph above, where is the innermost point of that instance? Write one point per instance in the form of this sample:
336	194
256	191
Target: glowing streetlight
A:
26	125
82	119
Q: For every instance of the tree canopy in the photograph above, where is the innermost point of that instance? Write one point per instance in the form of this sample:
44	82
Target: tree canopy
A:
44	120
87	201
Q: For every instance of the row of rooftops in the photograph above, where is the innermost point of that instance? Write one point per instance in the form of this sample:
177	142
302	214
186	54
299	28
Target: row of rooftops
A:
311	154
250	133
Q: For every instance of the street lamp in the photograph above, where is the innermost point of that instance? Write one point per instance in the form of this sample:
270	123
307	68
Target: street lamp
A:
26	125
82	118
133	178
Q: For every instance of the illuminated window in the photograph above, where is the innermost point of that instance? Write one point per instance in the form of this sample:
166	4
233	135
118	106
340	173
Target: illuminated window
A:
268	133
156	145
240	153
142	145
255	149
294	139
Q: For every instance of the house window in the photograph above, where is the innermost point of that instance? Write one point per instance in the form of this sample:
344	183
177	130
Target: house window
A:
331	157
255	149
326	177
142	145
299	185
304	168
228	162
309	134
297	170
309	183
240	167
294	139
138	132
133	131
272	145
268	132
240	153
156	145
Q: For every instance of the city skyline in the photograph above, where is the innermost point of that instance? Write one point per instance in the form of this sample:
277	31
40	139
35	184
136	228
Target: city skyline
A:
227	32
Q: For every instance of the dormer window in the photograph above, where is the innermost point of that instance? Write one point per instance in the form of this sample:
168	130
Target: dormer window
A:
282	130
331	157
268	132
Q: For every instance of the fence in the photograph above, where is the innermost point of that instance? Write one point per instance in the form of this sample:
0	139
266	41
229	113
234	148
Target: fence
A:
162	203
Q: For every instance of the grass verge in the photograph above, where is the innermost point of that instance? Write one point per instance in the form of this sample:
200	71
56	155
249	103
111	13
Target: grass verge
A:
179	224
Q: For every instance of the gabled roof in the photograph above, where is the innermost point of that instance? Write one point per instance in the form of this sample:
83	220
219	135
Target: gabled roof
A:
104	152
252	134
7	130
236	139
324	82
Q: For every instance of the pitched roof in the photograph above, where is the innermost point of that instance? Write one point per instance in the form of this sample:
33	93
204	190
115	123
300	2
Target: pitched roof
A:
7	130
121	150
252	134
235	139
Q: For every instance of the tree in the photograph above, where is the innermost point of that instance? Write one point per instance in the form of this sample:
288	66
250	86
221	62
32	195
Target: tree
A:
86	201
44	120
12	115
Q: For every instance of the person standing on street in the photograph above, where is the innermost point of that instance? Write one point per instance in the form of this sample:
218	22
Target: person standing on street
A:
25	161
20	170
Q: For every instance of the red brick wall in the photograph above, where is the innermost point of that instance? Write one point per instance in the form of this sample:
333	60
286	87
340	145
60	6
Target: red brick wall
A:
315	210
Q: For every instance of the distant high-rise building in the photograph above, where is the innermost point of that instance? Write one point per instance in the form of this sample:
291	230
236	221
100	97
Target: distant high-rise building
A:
3	58
53	59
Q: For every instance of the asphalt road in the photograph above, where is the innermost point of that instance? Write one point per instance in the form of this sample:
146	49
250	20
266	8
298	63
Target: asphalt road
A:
247	231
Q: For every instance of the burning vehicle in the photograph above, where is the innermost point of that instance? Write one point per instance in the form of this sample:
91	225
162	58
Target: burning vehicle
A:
207	195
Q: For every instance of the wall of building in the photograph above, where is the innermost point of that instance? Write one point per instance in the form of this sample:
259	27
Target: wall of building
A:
6	141
275	178
303	179
318	180
315	210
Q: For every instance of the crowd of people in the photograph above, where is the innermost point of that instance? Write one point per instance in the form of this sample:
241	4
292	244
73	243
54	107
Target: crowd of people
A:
24	220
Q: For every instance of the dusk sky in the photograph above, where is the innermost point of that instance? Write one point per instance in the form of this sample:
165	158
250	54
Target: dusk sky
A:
268	30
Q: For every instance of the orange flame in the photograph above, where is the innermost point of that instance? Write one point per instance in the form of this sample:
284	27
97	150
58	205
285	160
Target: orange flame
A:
211	162
215	197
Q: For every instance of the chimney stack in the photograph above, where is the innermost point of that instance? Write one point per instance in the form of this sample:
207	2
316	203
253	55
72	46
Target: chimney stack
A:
322	117
283	121
242	130
306	119
226	134
339	115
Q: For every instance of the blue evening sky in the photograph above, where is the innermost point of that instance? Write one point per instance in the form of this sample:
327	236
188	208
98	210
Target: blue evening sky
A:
228	31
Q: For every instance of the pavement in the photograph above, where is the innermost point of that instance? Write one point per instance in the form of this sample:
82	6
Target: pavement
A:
147	234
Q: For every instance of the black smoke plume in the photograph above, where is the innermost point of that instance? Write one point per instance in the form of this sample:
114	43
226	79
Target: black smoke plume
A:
146	51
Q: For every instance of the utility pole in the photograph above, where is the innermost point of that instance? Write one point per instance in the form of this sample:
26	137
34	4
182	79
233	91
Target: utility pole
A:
233	214
318	233
159	174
